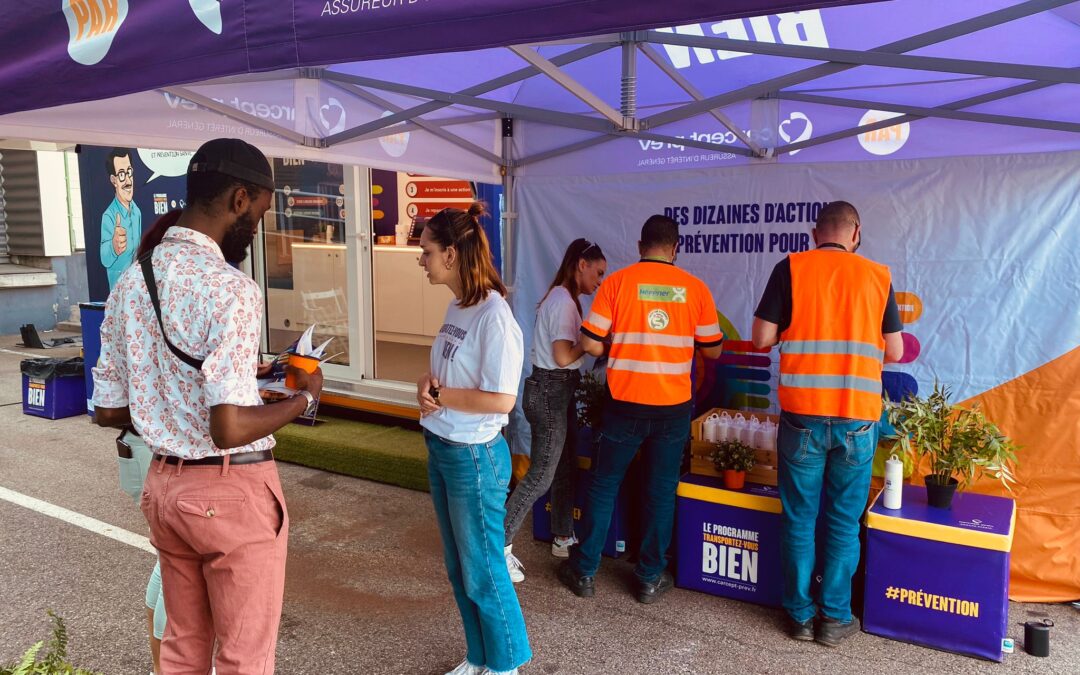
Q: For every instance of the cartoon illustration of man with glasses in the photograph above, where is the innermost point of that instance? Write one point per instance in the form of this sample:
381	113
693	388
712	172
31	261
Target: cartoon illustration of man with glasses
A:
121	224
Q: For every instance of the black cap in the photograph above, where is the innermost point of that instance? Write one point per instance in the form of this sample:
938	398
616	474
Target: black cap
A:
233	157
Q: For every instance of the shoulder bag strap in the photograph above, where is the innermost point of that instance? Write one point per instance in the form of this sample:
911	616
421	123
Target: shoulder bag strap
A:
151	287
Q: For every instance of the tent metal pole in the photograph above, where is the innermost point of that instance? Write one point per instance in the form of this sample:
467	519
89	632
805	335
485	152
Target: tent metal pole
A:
571	120
422	123
955	105
872	58
413	126
591	39
475	90
628	88
1010	120
508	215
643	135
912	43
568	83
231	112
555	152
694	92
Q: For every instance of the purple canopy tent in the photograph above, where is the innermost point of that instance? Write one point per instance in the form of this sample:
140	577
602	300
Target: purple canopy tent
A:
531	92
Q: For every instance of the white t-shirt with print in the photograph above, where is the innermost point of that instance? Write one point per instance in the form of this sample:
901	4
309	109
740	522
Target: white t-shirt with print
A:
557	318
478	347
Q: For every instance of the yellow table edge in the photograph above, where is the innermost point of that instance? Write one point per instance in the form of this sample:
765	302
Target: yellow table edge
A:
729	498
944	533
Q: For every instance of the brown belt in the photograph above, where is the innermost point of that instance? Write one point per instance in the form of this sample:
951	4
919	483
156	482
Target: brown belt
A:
217	460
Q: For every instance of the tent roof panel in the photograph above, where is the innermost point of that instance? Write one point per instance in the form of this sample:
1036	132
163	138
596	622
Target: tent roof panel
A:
923	58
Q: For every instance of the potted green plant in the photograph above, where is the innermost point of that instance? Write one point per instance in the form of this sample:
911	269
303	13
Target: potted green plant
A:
960	444
733	459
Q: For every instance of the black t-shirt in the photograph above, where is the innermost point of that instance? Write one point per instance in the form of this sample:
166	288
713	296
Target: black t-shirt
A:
775	304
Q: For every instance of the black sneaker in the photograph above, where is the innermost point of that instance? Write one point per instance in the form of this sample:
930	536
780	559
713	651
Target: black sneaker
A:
831	632
800	631
650	591
582	586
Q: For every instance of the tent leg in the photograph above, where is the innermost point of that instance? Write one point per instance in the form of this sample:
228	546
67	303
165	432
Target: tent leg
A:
508	216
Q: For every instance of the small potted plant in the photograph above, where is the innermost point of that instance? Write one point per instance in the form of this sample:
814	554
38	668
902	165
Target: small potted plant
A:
960	444
733	459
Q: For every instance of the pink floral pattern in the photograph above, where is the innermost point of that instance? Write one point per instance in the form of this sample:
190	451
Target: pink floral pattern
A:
212	312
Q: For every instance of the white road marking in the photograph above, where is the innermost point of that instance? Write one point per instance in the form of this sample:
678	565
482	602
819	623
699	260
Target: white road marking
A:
11	351
78	519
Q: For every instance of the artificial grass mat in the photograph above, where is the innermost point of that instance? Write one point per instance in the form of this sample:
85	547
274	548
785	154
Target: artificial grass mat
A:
387	454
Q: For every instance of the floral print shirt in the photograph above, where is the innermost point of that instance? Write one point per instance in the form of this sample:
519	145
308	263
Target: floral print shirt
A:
212	312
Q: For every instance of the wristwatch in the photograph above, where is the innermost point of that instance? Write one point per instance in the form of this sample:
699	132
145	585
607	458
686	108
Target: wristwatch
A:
312	403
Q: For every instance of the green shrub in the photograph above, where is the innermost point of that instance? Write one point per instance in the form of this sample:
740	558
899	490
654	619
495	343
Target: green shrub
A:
55	660
958	442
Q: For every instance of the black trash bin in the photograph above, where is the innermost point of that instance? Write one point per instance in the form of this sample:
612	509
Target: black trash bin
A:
53	388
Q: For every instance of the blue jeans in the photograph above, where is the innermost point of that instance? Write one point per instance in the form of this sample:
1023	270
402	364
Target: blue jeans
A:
661	442
834	454
468	488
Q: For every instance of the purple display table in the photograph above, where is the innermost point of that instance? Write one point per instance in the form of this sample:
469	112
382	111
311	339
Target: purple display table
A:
729	540
940	577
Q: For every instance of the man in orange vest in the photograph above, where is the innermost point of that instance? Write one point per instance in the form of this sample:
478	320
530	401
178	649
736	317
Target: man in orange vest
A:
836	318
654	315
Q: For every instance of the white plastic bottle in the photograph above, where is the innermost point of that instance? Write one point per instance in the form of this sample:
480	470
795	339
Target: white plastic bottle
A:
711	428
753	432
738	428
768	433
723	427
894	480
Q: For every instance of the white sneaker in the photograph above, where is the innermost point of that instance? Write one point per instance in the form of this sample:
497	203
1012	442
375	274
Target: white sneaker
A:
501	672
466	668
514	566
560	546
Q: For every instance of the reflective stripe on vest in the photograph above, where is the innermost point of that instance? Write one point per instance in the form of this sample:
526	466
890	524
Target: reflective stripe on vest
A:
652	339
656	311
852	347
831	354
831	382
650	367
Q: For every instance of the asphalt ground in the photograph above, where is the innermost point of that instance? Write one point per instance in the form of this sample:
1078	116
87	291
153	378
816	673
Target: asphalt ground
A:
366	591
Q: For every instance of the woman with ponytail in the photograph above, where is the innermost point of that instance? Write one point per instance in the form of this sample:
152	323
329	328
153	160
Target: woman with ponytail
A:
548	401
464	402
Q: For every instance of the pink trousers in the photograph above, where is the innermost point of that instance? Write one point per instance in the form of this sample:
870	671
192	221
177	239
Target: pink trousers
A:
222	534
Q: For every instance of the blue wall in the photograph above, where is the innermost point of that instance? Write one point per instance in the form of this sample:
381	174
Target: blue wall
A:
35	304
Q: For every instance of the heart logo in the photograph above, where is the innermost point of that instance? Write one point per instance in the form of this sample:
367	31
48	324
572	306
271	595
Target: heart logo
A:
209	13
332	116
807	131
92	25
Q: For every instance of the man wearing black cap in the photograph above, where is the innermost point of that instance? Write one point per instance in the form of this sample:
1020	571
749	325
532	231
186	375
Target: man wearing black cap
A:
179	351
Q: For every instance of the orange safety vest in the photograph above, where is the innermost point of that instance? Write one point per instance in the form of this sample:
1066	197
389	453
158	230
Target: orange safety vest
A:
831	354
656	314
